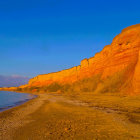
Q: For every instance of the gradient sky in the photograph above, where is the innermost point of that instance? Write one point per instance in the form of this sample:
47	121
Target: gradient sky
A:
42	36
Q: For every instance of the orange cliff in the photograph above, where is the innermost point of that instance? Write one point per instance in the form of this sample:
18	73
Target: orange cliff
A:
122	55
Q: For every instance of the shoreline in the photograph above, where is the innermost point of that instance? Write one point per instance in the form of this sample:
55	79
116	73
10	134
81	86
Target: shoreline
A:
14	117
18	103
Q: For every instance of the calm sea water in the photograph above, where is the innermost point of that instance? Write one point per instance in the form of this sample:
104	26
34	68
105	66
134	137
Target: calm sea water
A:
11	99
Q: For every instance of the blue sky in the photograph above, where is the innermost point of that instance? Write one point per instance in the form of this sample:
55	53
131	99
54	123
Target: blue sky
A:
42	36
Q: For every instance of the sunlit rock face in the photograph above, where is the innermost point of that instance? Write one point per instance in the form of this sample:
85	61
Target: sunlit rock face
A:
136	77
121	54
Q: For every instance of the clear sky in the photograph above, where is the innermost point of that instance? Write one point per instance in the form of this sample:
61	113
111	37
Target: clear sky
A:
42	36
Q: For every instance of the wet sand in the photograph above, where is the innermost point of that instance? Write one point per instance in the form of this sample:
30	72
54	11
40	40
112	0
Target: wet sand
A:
55	117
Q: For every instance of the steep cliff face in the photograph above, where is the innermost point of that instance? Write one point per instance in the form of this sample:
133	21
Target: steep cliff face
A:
122	55
136	77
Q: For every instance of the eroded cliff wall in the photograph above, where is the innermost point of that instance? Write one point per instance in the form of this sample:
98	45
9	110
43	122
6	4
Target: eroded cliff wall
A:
121	55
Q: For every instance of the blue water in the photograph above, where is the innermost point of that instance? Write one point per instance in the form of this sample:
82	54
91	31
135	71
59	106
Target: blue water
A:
11	99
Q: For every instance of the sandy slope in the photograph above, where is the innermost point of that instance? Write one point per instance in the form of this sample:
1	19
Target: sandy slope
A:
52	117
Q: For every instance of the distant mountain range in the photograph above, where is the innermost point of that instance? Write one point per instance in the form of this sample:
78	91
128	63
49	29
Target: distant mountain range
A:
13	81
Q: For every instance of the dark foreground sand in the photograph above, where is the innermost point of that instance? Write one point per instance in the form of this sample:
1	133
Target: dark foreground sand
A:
54	117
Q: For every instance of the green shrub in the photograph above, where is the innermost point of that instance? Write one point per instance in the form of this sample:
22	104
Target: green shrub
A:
53	87
86	85
112	83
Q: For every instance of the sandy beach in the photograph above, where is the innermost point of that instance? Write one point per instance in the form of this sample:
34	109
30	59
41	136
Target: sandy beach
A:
56	117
